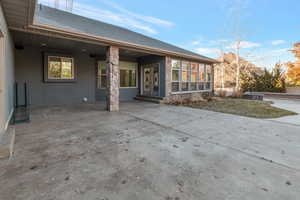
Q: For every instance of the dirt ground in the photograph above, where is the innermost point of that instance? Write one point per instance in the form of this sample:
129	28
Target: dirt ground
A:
148	151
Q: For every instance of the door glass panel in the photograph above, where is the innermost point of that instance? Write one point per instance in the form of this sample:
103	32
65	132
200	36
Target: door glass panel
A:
147	81
151	80
155	81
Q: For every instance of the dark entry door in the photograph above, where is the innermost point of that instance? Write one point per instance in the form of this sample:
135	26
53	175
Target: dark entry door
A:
151	80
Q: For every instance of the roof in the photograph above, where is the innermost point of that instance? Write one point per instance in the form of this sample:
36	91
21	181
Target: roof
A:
62	20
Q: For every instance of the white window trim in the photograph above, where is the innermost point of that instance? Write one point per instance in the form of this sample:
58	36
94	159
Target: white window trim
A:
120	67
60	79
198	78
192	91
136	73
179	75
99	75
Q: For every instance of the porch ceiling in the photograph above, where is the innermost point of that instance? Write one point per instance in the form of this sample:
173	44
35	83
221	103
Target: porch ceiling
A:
18	13
34	40
48	42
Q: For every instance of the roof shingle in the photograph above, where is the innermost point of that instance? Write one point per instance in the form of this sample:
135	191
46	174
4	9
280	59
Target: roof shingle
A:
51	17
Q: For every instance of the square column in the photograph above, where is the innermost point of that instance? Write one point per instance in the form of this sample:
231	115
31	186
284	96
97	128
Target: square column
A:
113	77
168	76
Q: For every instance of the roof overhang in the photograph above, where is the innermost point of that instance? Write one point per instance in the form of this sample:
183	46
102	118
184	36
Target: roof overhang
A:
20	16
18	13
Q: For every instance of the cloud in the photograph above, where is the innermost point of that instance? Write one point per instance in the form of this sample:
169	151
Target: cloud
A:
111	17
210	51
277	52
278	42
269	58
244	45
195	43
149	19
218	42
119	16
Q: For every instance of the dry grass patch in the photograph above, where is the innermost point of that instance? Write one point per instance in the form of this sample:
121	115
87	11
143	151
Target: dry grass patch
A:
257	109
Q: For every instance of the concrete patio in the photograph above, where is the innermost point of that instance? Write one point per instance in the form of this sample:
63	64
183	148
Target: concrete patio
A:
287	104
149	151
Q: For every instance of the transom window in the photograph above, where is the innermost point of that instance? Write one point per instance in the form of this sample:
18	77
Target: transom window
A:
190	76
128	75
60	68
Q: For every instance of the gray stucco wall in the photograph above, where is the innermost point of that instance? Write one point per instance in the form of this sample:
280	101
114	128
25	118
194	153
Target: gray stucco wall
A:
6	73
152	60
29	67
126	94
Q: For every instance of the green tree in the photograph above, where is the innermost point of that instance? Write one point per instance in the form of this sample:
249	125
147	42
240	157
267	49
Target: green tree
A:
269	81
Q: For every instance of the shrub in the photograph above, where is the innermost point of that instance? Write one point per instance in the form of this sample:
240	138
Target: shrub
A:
269	81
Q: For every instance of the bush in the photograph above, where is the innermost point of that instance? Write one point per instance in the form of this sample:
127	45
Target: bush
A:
269	81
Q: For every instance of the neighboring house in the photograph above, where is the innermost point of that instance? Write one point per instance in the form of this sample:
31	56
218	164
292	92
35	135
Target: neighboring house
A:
225	71
66	59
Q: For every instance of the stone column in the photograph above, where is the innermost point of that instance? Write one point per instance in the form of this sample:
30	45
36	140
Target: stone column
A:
168	76
113	77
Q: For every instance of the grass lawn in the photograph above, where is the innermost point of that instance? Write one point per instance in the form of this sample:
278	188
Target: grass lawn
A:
257	109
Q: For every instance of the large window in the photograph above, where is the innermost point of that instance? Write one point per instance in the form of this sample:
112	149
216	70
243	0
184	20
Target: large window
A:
208	77
187	76
128	75
60	68
101	83
176	65
201	83
194	76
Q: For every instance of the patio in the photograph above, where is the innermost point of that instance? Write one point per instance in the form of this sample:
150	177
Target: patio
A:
150	151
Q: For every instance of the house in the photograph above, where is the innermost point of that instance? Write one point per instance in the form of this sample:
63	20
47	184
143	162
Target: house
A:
65	59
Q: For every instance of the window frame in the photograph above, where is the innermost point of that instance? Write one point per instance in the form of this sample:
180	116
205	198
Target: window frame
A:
204	82
128	68
99	76
120	67
206	76
179	75
61	80
197	76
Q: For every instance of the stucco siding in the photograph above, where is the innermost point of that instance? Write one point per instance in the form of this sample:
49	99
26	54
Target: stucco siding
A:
6	73
29	68
126	94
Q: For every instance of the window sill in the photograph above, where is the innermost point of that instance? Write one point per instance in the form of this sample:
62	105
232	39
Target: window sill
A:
188	92
60	81
120	88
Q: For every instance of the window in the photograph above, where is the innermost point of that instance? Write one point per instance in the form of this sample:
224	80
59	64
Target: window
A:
60	68
201	83
101	75
185	77
128	75
176	65
188	76
194	76
208	77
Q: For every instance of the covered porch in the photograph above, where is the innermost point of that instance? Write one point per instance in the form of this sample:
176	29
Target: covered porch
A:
61	70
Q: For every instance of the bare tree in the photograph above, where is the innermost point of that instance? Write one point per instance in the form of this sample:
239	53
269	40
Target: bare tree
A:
238	8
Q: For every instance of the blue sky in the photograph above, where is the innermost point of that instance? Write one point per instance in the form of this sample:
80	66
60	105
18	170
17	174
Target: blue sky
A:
267	28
